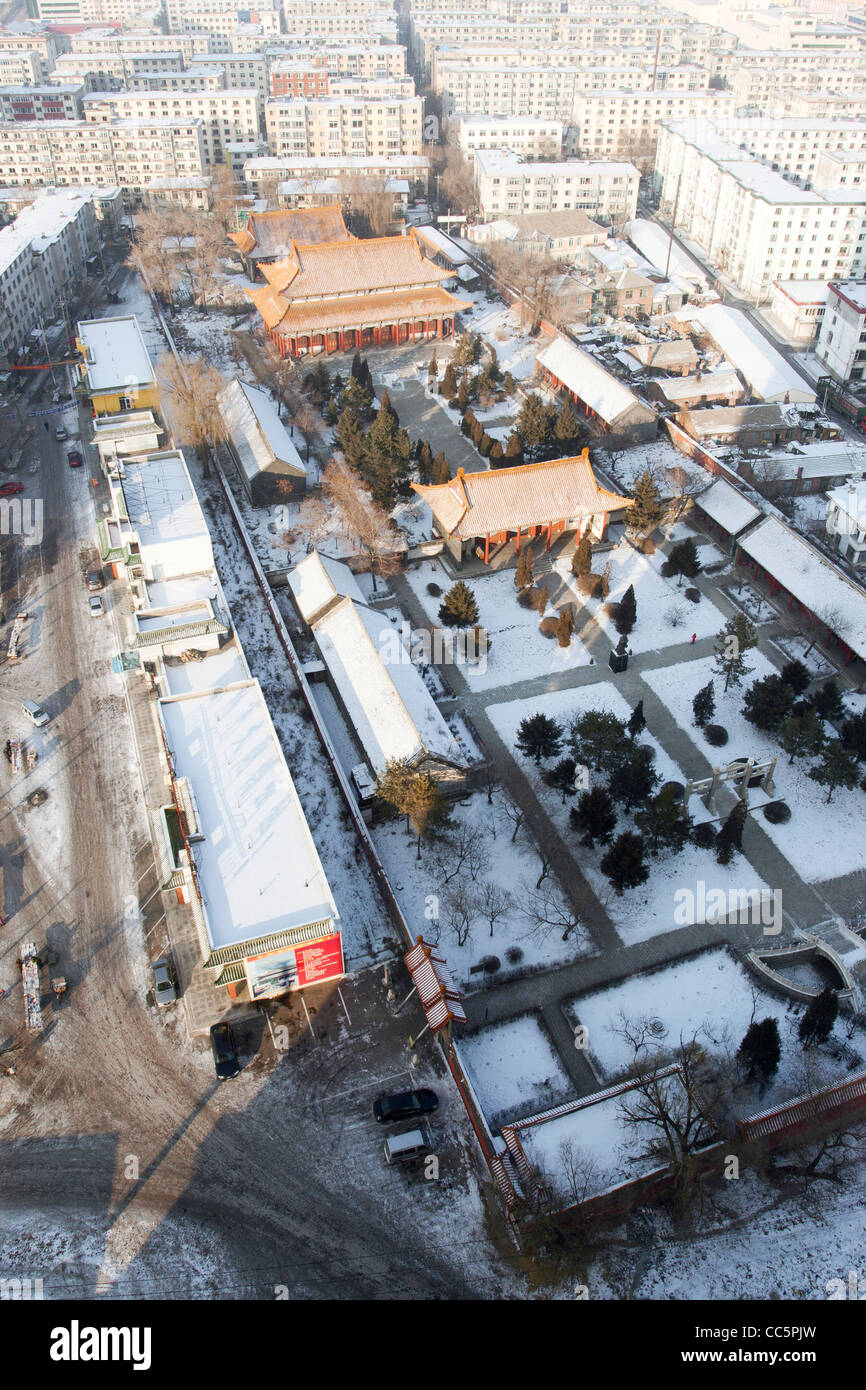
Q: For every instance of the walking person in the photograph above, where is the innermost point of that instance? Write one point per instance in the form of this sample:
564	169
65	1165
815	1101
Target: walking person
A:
694	638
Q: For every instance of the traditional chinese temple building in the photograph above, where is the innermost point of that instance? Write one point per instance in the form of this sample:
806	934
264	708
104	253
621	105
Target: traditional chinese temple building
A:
268	236
483	510
340	296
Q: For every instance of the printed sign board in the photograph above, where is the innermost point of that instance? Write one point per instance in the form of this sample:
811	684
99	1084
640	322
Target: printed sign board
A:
293	967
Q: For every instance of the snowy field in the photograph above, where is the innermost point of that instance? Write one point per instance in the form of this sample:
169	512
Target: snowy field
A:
820	842
714	996
664	616
518	651
648	910
514	1069
427	897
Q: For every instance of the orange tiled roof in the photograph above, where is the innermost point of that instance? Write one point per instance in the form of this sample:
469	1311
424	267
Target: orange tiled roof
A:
357	311
272	233
478	504
353	267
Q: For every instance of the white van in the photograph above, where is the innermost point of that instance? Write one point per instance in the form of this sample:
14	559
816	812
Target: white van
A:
402	1148
35	713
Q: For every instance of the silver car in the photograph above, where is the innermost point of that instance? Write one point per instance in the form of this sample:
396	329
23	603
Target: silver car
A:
97	607
164	991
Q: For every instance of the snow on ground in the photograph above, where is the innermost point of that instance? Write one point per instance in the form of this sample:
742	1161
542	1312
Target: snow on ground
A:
518	651
649	910
664	616
514	1069
714	996
797	649
820	842
666	464
423	892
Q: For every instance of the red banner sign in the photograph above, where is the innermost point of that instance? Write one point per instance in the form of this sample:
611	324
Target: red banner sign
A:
320	960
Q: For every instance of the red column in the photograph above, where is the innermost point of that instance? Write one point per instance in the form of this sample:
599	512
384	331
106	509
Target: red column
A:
486	547
549	525
518	540
604	526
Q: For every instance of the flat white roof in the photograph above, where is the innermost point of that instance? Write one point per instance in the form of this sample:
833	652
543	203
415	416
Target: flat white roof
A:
164	512
258	870
391	709
653	242
224	667
580	373
769	376
116	353
443	243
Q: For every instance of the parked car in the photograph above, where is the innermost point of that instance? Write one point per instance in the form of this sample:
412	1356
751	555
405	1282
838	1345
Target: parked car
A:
35	713
61	432
164	991
405	1105
94	581
6	489
73	458
97	607
224	1055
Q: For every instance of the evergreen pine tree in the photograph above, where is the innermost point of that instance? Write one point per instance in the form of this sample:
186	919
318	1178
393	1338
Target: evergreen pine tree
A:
637	723
425	463
566	431
735	639
523	572
627	612
801	735
350	437
816	1025
441	469
565	625
647	511
683	560
513	450
828	702
581	560
538	736
594	816
730	837
599	739
853	733
561	777
385	405
468	422
463	392
496	453
433	371
768	702
838	767
704	705
458	608
448	389
664	821
634	779
385	459
761	1049
534	425
795	674
624	864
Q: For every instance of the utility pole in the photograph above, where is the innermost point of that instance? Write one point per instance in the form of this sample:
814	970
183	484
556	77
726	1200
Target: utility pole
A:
656	58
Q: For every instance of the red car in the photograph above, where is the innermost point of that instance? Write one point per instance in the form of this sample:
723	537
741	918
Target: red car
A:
7	488
74	459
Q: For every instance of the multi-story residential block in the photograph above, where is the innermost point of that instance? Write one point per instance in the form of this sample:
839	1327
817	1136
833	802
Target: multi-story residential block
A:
627	123
797	306
21	66
760	219
335	126
342	57
841	342
232	114
125	153
52	103
28	37
43	254
261	175
292	77
602	188
219	16
527	135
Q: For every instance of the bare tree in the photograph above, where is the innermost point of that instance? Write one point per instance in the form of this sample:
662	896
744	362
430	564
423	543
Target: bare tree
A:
548	911
315	519
514	813
461	852
493	901
200	252
369	207
225	191
309	424
362	516
458	910
154	251
533	278
191	388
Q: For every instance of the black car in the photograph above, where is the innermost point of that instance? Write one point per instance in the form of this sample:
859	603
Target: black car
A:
405	1105
224	1055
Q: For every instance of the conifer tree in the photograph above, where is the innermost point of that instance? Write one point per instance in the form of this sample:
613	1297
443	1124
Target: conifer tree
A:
730	837
594	816
539	736
816	1025
523	572
565	625
433	371
458	608
625	864
637	723
647	511
683	560
581	560
761	1049
425	463
441	469
735	639
566	431
448	389
627	612
838	767
513	450
704	705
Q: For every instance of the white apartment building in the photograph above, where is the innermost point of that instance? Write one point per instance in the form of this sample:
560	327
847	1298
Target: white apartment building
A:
797	306
346	59
841	342
50	103
176	11
87	11
753	222
127	154
306	17
794	64
43	253
846	520
239	69
527	135
263	174
232	114
134	43
601	188
26	36
331	127
611	122
25	65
